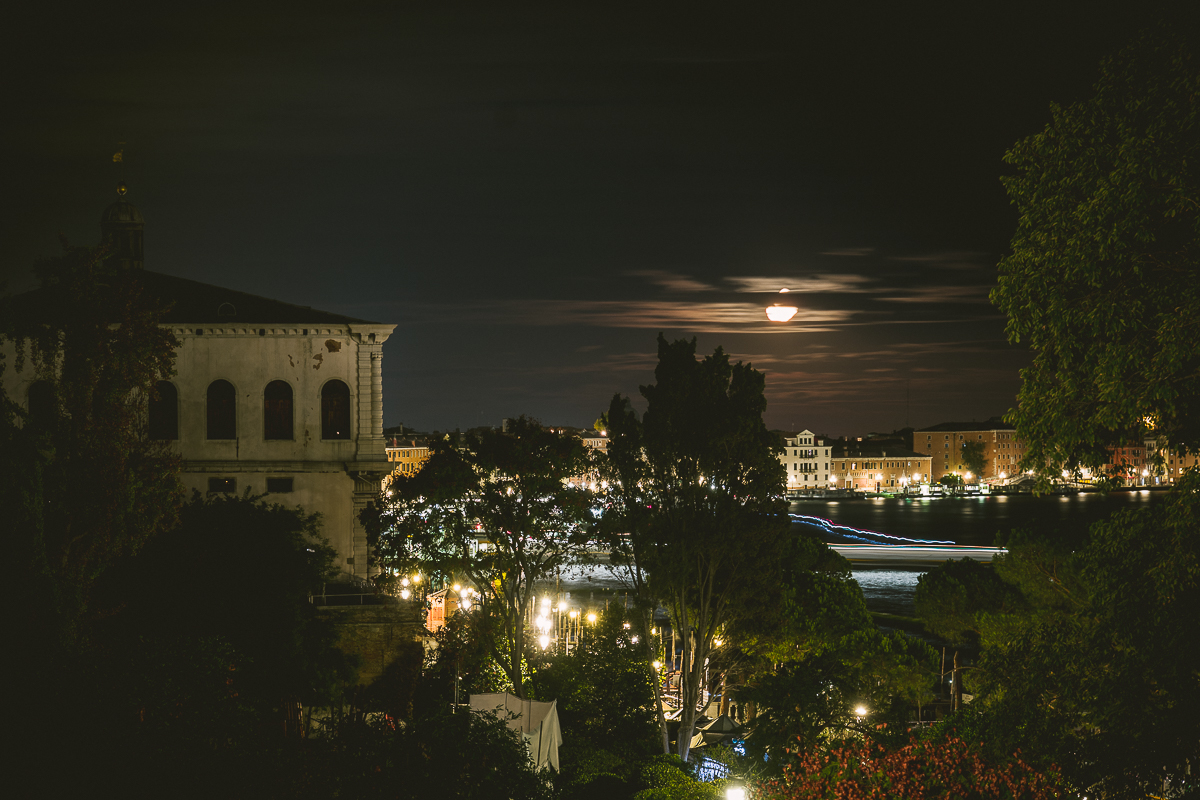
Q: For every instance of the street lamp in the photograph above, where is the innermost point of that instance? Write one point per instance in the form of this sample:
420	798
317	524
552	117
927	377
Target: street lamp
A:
735	789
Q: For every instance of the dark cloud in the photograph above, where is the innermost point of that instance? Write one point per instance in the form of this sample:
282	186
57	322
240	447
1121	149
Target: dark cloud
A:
533	192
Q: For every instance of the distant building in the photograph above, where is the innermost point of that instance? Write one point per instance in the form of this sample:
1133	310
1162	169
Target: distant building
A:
1130	464
877	466
806	458
268	397
944	444
1168	463
407	453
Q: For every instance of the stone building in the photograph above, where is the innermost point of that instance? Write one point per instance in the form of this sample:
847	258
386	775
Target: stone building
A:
944	444
407	453
873	466
807	461
269	397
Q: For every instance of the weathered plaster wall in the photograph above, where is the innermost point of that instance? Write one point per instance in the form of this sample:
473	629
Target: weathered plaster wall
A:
376	633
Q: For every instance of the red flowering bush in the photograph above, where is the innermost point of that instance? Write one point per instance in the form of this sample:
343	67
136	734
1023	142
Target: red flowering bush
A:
925	769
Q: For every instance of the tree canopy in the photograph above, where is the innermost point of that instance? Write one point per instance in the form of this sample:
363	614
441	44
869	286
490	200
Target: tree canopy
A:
1103	283
708	472
503	511
82	485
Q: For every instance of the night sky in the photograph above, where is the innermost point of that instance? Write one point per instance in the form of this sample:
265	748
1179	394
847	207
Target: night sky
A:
531	192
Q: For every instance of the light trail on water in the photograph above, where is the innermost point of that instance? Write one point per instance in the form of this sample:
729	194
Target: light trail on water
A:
856	533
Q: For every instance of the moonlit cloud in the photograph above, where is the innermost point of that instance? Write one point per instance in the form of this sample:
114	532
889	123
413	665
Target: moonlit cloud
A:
661	315
672	281
940	294
963	260
811	284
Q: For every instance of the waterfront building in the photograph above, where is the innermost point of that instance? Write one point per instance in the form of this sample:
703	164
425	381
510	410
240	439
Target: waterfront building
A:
806	457
944	443
877	466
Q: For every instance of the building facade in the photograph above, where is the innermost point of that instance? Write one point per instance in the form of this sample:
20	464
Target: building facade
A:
807	461
406	454
944	444
267	397
882	467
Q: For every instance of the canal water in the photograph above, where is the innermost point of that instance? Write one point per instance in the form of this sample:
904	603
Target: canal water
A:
962	520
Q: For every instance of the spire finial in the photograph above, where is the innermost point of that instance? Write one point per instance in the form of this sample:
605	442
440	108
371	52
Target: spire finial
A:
119	158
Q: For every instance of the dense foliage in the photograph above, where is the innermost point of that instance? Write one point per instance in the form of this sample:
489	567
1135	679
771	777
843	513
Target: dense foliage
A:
80	484
709	474
1104	279
511	490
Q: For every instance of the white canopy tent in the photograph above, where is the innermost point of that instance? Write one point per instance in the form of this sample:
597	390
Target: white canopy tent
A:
536	721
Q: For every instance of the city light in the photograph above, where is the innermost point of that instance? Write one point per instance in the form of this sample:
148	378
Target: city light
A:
591	617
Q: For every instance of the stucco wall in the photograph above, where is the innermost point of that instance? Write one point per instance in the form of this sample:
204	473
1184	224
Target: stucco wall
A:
326	493
250	361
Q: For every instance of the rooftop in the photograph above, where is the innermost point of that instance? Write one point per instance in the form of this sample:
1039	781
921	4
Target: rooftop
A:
194	302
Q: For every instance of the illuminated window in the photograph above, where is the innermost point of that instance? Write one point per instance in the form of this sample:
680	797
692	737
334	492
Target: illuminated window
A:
221	410
163	412
277	410
335	410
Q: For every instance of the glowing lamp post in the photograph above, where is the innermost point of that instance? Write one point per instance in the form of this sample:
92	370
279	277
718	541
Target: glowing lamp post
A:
780	311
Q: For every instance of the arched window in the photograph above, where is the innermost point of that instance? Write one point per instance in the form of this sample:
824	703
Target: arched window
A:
164	412
335	411
277	410
41	404
222	410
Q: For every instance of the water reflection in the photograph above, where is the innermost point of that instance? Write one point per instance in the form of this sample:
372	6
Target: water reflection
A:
973	520
889	591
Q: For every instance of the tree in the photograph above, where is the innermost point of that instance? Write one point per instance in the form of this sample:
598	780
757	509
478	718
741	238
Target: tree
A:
712	480
624	479
1103	282
501	511
606	696
83	487
270	560
973	460
1115	621
950	598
